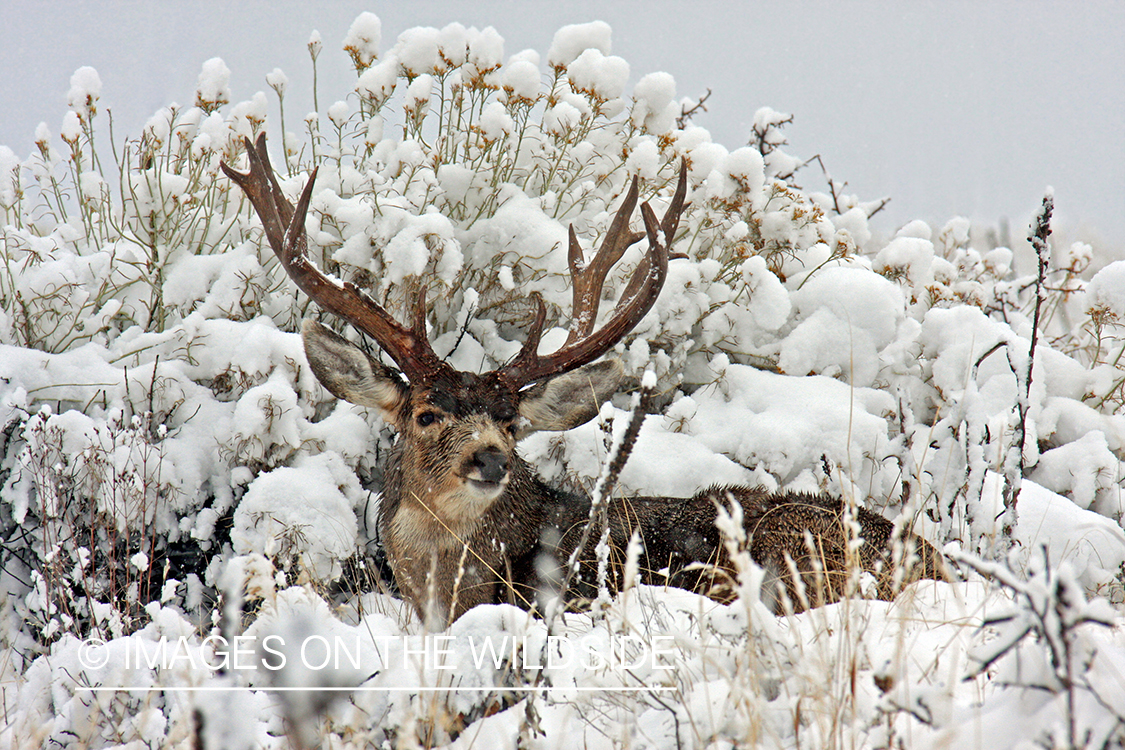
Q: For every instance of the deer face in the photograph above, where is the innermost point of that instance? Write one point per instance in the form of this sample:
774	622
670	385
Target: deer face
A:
461	429
457	430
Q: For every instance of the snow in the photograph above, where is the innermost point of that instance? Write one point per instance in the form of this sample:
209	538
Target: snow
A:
378	82
957	338
338	113
172	472
644	160
85	90
1106	290
911	256
495	122
315	44
408	252
1083	469
42	134
561	118
362	40
600	76
213	86
278	81
571	41
522	79
419	93
769	303
486	49
846	318
71	128
303	511
837	421
419	50
1091	542
742	169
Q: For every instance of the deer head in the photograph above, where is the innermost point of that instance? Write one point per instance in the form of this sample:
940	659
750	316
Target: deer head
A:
458	430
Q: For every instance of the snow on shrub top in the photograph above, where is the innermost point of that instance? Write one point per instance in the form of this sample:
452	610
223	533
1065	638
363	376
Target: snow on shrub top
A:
212	90
571	41
602	76
485	49
378	82
85	90
654	107
521	79
1107	290
362	40
301	511
418	50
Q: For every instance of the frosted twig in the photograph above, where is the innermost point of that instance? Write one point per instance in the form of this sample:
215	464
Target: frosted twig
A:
1051	607
688	113
618	455
1015	469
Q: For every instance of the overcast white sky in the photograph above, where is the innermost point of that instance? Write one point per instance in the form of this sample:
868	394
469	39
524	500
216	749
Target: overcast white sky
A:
949	108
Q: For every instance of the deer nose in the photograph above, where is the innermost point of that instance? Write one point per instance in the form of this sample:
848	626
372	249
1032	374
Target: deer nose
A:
491	464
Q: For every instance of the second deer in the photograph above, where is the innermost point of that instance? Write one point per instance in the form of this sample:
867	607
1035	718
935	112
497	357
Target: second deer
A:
467	521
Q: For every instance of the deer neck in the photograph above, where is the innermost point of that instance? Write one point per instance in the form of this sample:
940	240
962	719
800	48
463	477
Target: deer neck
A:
440	554
419	516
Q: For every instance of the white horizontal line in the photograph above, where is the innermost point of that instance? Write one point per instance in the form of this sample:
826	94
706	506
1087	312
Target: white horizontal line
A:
380	689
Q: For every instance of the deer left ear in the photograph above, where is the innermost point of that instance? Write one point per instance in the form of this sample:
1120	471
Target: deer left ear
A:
570	399
348	373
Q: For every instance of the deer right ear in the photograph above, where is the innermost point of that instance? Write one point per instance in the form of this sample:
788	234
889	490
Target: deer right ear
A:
569	399
348	373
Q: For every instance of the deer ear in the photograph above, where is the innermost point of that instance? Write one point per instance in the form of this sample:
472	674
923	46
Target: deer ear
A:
348	373
569	399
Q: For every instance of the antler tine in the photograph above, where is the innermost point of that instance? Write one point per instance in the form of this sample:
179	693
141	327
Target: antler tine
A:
671	221
285	229
669	225
588	279
526	361
638	299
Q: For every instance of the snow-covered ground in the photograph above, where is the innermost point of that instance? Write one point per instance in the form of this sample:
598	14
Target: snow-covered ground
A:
188	517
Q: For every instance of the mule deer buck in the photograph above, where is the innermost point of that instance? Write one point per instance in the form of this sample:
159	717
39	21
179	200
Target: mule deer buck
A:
465	520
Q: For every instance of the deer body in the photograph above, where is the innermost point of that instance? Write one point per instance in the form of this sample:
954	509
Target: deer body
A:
465	520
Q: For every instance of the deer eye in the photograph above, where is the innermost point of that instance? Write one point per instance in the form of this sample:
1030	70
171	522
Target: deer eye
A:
427	418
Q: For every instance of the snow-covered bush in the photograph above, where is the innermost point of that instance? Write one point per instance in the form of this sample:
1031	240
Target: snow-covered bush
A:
168	464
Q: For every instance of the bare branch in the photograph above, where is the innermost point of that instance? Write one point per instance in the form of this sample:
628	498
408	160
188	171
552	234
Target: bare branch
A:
688	113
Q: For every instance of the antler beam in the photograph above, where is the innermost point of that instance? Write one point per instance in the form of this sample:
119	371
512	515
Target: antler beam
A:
582	345
285	229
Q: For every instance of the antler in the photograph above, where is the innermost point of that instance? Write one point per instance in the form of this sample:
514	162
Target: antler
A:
582	344
285	230
409	347
588	279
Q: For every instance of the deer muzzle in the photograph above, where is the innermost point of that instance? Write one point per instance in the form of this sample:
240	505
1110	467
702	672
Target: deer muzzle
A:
488	466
